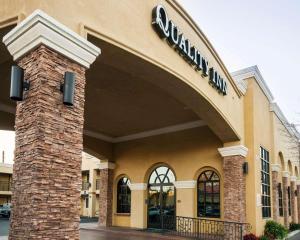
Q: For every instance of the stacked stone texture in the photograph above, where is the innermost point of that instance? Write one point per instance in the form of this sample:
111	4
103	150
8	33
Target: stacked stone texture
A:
293	202
234	189
47	167
275	195
285	201
298	202
106	197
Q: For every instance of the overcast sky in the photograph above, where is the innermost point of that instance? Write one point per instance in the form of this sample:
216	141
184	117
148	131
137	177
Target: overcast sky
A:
263	33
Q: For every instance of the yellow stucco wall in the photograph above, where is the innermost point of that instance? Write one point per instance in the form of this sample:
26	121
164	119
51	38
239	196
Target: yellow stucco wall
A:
187	152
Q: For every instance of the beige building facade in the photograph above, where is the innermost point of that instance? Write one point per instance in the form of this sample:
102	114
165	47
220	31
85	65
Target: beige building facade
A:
181	140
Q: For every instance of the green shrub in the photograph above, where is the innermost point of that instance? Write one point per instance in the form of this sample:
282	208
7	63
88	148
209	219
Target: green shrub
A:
274	230
263	238
294	226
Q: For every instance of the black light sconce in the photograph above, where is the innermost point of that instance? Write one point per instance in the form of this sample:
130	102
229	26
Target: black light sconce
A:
17	83
68	88
245	168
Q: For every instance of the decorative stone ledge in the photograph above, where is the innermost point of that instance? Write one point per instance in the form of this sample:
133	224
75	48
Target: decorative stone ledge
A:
107	165
293	178
185	184
285	174
275	167
138	186
233	151
39	28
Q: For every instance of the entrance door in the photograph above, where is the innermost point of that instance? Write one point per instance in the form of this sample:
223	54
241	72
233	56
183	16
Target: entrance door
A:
161	205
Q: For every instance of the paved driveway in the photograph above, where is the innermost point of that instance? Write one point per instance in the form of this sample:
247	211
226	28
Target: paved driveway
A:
295	237
4	225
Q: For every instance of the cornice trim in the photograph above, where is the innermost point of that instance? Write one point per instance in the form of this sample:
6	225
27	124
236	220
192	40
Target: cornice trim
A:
233	151
285	174
293	178
107	165
249	72
185	184
275	167
41	29
138	186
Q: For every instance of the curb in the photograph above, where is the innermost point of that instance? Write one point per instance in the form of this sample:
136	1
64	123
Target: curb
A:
291	234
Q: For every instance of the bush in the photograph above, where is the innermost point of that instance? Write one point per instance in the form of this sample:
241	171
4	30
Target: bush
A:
274	230
263	238
294	226
250	236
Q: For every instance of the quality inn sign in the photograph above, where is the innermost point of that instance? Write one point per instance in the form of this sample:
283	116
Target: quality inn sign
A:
166	29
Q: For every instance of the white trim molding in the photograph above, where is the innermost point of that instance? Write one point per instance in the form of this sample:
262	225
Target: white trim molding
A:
293	178
150	133
285	174
138	186
275	167
185	184
39	28
243	74
233	151
107	165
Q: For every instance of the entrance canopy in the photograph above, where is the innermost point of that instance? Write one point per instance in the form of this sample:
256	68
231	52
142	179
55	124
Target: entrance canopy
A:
139	84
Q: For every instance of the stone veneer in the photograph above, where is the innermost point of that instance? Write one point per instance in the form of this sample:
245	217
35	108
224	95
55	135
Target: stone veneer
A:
293	202
47	168
234	189
298	201
106	197
275	199
285	200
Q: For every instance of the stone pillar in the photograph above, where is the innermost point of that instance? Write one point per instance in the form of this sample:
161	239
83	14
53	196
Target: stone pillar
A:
234	183
293	180
285	182
298	199
275	202
106	194
47	167
185	196
138	215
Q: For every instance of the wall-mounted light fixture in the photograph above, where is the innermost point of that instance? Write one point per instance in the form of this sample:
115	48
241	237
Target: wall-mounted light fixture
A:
17	83
296	193
245	167
68	88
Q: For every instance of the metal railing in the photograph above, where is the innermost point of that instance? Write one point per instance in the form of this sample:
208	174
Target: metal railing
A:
5	186
97	184
198	228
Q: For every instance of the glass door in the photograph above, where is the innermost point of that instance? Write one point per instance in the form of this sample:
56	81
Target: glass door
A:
161	199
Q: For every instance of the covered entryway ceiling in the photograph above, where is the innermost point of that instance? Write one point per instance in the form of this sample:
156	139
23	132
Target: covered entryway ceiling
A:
120	102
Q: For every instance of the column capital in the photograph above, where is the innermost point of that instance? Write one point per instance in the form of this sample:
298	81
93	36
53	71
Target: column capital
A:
293	178
285	174
233	151
185	184
138	186
41	29
107	165
275	167
298	182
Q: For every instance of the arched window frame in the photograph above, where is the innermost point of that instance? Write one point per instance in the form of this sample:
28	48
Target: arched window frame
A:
123	195
216	195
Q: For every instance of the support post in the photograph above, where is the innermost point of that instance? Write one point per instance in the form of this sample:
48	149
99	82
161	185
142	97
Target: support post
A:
285	182
47	166
106	194
275	170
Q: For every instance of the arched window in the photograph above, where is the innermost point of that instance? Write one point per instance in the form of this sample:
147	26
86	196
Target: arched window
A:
123	195
209	194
